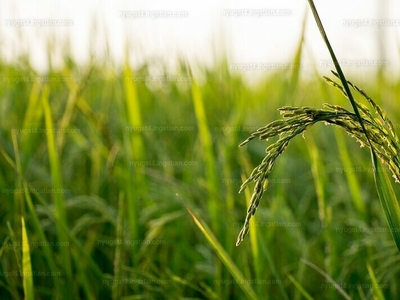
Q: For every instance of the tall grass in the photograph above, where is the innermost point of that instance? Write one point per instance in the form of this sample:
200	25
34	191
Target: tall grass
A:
128	234
59	204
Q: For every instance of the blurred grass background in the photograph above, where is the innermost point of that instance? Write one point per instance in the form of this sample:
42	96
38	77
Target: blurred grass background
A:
99	161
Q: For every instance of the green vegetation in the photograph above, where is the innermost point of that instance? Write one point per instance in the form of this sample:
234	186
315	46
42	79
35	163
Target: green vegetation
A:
377	133
116	184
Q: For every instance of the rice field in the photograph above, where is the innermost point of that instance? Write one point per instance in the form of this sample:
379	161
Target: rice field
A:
120	183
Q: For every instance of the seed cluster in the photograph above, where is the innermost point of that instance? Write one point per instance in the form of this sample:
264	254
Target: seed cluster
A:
296	120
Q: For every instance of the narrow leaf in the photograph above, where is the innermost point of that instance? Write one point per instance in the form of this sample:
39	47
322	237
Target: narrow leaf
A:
27	275
223	255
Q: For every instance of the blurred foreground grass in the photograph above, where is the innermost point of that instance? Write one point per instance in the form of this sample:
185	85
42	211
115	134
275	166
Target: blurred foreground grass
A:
97	160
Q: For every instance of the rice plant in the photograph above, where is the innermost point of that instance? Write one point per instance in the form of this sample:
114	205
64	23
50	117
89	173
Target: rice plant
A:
121	149
296	120
379	136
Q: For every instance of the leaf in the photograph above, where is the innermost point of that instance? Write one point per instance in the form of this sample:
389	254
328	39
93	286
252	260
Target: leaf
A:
27	275
223	255
375	286
388	200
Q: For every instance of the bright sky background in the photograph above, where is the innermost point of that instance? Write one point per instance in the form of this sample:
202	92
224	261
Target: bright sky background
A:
206	31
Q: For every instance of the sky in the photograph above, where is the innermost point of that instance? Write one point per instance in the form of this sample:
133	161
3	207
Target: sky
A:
256	36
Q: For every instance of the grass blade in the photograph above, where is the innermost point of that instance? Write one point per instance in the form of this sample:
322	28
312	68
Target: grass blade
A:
206	140
55	170
375	286
328	278
388	200
337	66
254	237
324	208
351	178
118	261
32	212
299	287
27	274
135	181
235	272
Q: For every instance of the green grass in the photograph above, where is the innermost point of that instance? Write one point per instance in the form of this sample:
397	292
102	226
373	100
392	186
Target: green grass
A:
319	232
